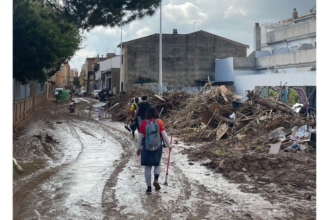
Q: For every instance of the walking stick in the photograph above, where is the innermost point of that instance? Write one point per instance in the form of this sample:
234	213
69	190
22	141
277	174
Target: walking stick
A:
168	162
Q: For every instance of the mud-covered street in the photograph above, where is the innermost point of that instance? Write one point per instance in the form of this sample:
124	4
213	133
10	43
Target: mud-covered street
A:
77	166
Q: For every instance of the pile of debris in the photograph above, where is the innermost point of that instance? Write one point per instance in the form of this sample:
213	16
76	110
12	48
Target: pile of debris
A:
118	105
215	116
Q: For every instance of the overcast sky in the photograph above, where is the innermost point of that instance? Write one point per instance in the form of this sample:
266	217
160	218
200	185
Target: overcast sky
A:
232	19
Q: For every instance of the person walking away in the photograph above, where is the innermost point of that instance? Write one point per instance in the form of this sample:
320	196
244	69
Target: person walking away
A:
151	132
129	115
133	108
141	111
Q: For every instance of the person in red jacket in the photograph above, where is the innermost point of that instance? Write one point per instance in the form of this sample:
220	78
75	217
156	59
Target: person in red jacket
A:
151	159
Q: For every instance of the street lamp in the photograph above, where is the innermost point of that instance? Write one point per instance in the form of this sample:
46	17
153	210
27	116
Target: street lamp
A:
160	51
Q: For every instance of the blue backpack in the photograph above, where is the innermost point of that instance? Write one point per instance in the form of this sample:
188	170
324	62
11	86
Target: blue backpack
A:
152	139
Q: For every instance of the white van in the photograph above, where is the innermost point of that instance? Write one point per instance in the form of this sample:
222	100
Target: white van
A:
57	90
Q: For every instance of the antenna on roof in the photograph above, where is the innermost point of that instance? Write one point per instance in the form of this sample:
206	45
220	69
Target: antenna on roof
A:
195	22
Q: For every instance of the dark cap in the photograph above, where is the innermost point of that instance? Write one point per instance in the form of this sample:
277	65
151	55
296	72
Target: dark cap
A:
144	98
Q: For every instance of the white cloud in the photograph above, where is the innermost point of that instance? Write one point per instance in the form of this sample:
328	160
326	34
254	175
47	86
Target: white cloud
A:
107	31
233	11
184	14
80	57
143	32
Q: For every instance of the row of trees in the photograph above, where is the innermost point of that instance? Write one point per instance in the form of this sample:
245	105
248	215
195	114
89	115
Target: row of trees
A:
48	32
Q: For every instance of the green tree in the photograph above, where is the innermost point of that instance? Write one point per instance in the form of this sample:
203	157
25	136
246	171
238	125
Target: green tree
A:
88	14
76	82
42	41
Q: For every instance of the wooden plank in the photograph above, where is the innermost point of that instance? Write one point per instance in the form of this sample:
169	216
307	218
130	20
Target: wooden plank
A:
275	148
160	98
221	131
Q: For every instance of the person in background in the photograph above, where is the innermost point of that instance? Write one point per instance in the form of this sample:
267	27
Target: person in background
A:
142	109
151	158
132	113
128	120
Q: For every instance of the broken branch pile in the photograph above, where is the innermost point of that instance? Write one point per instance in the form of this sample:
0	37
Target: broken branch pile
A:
216	115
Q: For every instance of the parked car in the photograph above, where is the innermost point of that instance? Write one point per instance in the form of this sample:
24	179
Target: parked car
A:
95	94
57	91
82	93
104	94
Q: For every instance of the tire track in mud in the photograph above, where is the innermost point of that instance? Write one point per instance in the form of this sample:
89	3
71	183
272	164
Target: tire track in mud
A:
188	202
20	195
194	206
108	196
108	193
163	210
109	201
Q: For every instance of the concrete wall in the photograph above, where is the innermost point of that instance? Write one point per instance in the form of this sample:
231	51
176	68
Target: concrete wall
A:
249	81
154	87
30	102
291	32
115	80
244	62
291	45
297	57
151	86
186	58
110	63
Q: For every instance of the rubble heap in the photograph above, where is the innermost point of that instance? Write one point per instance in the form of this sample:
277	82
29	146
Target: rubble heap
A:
217	117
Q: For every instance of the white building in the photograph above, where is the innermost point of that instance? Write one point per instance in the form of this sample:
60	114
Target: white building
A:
284	52
109	71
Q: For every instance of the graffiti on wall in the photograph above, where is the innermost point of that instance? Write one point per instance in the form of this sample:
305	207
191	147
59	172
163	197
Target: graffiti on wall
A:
287	94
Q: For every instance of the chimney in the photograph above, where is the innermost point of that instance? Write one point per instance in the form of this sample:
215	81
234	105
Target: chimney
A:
175	31
257	37
294	14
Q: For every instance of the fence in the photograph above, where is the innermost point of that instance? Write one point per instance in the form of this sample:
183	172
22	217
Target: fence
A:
20	91
26	97
41	88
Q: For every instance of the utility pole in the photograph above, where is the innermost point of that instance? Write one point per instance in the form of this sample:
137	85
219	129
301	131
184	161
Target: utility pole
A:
160	52
107	46
121	57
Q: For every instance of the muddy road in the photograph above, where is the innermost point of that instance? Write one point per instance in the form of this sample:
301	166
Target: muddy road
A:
78	166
